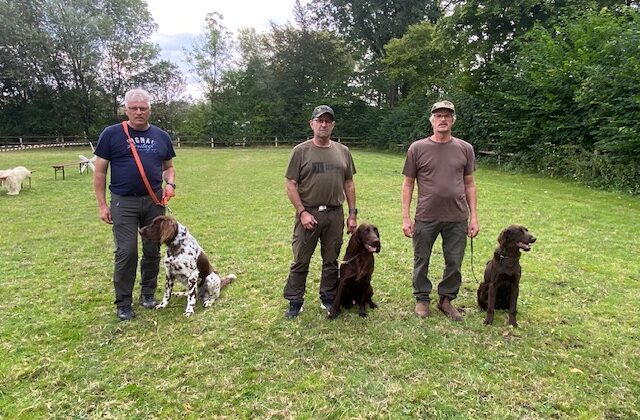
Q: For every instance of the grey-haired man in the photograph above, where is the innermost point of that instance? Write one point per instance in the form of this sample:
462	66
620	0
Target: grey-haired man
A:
319	178
131	206
442	166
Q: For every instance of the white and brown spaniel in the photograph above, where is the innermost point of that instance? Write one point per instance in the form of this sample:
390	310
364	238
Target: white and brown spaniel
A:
186	262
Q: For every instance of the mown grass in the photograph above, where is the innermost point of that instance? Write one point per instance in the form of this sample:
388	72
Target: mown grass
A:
64	354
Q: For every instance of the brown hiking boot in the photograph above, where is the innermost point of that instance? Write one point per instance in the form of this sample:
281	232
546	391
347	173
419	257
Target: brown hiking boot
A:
448	309
423	309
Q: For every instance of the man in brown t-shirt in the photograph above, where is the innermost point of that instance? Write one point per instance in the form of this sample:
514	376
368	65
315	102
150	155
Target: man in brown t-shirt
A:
442	166
318	179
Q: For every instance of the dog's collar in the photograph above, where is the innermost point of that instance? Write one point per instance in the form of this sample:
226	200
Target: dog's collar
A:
181	235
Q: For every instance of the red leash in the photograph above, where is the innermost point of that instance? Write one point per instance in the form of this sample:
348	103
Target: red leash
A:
132	146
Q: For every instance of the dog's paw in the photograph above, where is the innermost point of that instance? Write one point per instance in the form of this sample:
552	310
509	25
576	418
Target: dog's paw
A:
188	313
363	314
488	321
207	303
161	305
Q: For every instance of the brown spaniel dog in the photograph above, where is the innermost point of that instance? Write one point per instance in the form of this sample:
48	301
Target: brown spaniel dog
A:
354	284
501	284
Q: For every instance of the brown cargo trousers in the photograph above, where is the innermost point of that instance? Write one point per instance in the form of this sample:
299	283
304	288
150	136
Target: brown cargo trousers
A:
329	231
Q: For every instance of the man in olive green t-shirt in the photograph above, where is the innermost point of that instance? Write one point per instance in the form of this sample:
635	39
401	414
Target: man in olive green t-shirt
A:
318	179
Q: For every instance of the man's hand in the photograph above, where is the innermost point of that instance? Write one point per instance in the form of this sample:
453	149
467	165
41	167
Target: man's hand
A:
105	214
407	227
308	221
473	229
352	223
167	194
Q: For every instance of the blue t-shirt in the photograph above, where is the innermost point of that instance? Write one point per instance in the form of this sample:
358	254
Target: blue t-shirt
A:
153	146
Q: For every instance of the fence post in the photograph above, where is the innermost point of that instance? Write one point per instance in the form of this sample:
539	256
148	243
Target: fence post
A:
212	144
21	144
276	141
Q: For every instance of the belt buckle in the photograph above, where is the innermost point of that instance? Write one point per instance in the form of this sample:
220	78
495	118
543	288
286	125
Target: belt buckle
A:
322	208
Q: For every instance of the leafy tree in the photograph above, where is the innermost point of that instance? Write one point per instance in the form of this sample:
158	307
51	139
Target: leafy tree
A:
63	59
127	54
308	68
367	26
211	54
568	103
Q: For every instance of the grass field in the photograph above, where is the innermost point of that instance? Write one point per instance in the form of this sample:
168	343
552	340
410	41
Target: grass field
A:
65	355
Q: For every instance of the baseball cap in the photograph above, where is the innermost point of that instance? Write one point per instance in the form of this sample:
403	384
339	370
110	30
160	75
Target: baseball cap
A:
322	109
443	105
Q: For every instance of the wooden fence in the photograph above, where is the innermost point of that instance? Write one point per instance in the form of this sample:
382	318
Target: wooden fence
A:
33	142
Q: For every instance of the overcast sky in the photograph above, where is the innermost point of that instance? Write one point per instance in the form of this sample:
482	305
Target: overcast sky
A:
179	22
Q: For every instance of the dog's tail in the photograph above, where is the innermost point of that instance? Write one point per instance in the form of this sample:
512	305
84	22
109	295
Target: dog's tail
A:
227	279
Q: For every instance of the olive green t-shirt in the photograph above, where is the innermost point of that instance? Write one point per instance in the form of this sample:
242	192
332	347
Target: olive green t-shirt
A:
320	172
439	169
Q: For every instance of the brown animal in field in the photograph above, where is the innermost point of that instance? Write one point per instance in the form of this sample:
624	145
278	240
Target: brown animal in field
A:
354	284
185	261
501	285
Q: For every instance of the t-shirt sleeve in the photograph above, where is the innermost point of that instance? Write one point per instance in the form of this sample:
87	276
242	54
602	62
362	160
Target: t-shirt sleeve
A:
351	169
471	158
102	148
409	164
171	153
292	171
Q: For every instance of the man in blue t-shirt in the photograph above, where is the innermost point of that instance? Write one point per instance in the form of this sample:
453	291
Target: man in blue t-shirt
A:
131	205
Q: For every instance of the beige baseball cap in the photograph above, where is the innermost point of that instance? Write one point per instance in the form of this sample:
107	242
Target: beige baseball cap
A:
443	105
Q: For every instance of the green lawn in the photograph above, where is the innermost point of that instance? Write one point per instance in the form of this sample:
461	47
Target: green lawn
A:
65	355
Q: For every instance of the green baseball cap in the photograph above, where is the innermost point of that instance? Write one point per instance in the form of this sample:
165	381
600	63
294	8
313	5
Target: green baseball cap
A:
322	109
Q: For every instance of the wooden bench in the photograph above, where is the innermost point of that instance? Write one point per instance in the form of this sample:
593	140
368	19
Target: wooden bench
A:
60	167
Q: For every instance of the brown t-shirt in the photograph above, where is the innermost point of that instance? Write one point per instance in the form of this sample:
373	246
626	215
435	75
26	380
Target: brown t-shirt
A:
320	172
439	169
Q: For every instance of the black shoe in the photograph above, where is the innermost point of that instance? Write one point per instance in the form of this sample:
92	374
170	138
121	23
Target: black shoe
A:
294	310
148	301
125	313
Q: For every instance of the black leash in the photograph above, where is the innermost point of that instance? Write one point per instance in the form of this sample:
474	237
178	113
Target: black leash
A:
472	270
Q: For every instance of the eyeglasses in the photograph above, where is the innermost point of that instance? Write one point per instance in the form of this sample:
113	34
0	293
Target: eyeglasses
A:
138	108
443	116
323	121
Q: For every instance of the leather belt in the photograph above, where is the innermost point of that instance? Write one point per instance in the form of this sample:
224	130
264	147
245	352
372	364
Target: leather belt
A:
322	208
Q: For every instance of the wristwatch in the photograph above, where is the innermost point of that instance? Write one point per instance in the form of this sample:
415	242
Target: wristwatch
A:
353	211
172	184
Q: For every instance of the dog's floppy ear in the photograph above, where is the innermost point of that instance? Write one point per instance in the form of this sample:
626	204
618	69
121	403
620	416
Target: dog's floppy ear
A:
168	230
375	229
504	236
355	242
359	233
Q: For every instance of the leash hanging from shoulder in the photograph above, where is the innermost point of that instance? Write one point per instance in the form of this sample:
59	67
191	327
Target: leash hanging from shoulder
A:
136	157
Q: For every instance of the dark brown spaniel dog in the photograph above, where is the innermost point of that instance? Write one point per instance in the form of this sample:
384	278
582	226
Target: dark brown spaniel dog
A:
186	262
502	274
354	284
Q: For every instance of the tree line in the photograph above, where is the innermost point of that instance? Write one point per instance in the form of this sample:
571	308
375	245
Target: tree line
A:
554	82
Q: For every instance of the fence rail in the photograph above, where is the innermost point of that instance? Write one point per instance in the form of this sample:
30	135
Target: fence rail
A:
33	142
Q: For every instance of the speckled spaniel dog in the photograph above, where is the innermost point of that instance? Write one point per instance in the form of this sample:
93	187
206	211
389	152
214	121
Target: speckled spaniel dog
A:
185	261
